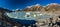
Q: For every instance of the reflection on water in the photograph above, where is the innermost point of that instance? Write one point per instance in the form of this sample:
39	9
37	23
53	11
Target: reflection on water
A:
27	15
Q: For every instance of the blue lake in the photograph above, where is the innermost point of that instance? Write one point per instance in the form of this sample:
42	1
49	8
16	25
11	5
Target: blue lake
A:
27	17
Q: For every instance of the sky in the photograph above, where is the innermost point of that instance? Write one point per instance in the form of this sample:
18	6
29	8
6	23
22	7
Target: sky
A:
21	4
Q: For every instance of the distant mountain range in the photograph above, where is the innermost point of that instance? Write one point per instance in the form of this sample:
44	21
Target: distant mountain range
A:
53	7
4	10
48	8
34	8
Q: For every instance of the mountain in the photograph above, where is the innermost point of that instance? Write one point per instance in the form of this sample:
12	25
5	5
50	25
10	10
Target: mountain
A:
52	7
36	7
4	10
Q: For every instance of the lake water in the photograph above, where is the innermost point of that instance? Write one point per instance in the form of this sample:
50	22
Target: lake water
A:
27	18
28	15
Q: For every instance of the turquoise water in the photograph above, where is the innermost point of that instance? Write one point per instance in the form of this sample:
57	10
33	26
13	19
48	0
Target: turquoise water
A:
27	15
27	18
